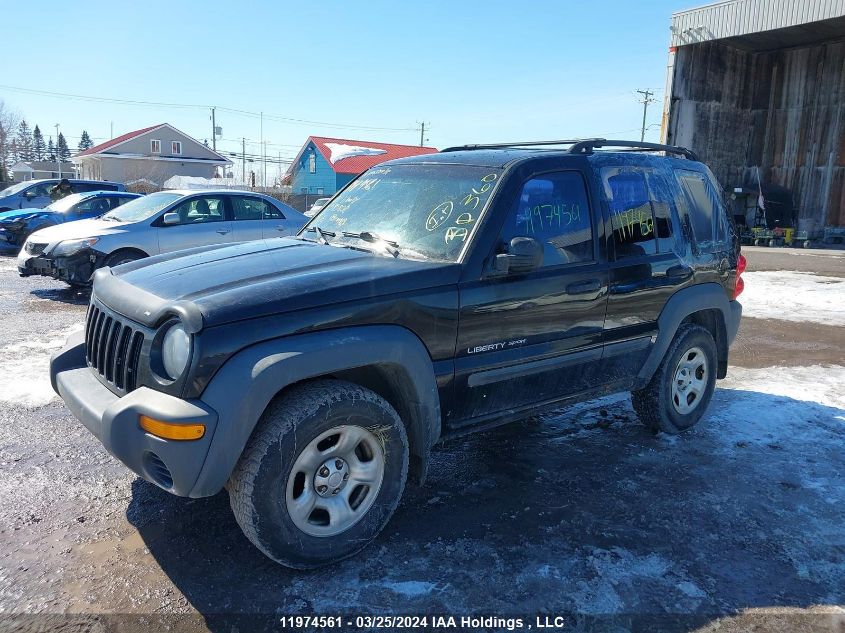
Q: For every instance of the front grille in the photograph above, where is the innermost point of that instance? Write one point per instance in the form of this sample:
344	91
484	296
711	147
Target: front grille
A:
112	348
35	248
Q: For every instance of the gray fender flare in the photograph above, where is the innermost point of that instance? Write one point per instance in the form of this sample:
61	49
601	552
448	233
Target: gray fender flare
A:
241	390
708	296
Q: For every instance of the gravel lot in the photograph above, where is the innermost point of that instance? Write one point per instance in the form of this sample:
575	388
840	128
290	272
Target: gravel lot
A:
738	523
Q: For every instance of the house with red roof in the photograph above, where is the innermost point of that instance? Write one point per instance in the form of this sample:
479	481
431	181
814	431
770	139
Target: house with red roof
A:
325	165
152	154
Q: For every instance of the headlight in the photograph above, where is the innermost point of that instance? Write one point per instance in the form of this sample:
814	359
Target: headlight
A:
175	351
69	247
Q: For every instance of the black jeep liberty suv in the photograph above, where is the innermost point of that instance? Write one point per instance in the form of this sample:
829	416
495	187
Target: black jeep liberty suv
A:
432	296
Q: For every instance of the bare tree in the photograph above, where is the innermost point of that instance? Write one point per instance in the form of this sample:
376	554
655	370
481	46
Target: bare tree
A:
9	120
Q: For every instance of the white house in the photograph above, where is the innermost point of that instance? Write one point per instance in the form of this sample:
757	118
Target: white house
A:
32	170
151	154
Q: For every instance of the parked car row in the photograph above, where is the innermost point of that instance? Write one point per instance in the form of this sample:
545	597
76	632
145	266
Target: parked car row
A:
35	194
75	236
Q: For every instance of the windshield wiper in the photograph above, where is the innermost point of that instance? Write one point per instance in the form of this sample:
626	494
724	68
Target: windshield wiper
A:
321	234
368	236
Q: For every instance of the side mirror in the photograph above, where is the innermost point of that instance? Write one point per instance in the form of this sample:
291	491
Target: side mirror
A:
29	195
523	255
170	218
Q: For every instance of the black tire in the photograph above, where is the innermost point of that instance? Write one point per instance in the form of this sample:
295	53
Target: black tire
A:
123	257
654	403
258	485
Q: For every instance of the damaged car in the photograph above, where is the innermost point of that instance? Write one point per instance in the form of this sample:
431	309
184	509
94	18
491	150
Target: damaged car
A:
160	222
17	225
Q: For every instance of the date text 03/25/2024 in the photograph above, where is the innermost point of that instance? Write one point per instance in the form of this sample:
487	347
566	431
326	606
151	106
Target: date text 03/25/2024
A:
423	622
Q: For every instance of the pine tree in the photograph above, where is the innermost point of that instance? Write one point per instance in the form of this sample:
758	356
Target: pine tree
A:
62	148
23	142
85	142
51	150
39	149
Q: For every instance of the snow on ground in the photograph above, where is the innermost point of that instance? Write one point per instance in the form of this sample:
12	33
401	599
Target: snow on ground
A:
794	296
8	264
24	369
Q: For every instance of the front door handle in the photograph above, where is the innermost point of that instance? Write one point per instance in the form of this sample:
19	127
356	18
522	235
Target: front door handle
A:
583	287
224	231
281	228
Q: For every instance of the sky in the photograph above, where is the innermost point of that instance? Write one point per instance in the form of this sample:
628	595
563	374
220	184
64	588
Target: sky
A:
474	72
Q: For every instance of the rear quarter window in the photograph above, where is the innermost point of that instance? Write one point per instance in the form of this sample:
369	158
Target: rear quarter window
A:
708	218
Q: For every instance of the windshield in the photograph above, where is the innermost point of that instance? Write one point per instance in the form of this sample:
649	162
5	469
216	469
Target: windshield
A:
10	191
66	203
424	210
142	208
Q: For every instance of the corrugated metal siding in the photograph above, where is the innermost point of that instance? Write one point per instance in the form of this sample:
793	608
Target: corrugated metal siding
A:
782	111
742	17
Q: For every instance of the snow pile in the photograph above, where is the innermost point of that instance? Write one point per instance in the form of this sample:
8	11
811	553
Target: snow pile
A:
25	369
794	296
339	151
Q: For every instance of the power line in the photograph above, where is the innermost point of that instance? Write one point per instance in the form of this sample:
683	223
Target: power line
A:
160	104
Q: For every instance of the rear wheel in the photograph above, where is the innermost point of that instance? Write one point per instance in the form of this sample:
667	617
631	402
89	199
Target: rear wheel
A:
681	388
321	475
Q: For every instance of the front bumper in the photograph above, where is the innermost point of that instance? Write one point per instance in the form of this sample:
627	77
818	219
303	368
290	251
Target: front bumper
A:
172	465
74	269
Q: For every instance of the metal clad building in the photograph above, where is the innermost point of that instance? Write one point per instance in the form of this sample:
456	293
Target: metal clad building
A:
760	85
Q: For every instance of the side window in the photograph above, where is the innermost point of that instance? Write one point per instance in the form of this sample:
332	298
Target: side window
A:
628	197
707	214
667	228
554	210
200	210
272	213
93	206
249	208
41	189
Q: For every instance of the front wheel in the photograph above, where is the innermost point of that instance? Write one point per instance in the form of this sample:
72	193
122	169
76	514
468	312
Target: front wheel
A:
681	388
122	257
321	475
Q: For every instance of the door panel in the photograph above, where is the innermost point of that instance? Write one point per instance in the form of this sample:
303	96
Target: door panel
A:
522	341
247	217
530	338
202	222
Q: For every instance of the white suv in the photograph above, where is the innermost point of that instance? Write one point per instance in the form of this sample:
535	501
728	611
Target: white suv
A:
158	223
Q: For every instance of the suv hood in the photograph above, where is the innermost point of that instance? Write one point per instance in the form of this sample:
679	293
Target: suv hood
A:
77	230
266	277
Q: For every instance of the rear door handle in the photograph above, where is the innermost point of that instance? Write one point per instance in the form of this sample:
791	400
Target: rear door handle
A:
583	287
679	272
224	231
282	228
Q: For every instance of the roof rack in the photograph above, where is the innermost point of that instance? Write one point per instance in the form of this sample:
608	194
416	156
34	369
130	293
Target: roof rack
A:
583	146
459	148
587	146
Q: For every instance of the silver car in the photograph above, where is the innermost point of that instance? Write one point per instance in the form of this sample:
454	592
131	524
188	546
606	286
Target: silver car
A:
157	223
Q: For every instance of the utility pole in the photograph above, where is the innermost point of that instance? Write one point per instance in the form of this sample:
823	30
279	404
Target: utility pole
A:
263	162
422	131
213	130
646	100
243	159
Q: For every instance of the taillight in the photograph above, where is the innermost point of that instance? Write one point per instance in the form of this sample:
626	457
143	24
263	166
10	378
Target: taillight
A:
739	287
741	263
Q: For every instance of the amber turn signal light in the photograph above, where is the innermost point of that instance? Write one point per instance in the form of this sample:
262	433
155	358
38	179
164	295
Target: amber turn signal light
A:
171	431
